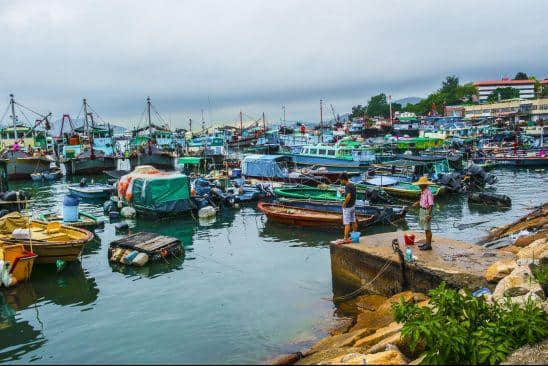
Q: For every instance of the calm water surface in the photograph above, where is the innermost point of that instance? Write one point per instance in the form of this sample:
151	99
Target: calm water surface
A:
244	291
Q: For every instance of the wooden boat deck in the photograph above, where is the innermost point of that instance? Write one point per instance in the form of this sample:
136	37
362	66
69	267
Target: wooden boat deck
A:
155	245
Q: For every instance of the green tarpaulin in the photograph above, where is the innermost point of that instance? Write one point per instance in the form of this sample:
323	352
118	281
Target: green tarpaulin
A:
160	190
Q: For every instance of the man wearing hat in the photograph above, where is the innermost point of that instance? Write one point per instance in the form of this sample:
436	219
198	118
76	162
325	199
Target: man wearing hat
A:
426	203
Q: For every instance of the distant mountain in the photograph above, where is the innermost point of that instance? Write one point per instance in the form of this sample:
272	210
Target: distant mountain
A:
408	100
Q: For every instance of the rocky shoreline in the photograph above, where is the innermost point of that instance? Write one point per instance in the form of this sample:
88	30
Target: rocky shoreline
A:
371	335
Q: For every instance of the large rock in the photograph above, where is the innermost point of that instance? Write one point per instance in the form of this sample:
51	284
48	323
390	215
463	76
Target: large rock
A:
525	240
520	282
379	335
383	315
536	250
389	357
341	340
287	359
500	269
326	356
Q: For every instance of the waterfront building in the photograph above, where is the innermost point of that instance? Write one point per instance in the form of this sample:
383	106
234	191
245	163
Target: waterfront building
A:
485	88
512	109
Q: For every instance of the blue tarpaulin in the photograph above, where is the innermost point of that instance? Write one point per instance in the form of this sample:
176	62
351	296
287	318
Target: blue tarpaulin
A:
265	166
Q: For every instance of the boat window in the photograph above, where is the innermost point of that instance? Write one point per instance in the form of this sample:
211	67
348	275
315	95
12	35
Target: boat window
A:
314	151
331	152
321	151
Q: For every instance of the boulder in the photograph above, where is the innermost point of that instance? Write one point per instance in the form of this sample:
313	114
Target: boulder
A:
390	357
287	359
340	340
511	248
393	340
498	270
525	240
325	356
536	250
383	316
520	282
379	335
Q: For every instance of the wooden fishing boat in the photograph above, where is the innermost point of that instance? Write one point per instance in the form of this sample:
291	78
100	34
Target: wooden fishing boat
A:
85	220
404	190
21	261
50	241
94	191
308	218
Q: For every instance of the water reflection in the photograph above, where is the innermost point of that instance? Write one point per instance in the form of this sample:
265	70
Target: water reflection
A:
151	270
71	287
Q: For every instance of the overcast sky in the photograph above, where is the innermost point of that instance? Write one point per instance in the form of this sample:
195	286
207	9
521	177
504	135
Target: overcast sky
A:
223	56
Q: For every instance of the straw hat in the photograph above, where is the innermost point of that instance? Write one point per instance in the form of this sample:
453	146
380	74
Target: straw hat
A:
423	181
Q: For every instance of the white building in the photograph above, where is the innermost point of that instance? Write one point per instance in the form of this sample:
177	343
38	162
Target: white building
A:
485	88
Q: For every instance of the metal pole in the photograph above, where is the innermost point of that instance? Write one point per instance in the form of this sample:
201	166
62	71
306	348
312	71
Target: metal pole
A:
149	120
12	103
321	120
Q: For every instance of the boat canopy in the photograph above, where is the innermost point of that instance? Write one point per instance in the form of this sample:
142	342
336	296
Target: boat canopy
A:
266	166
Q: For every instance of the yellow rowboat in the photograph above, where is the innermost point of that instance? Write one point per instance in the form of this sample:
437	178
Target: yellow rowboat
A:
50	241
21	261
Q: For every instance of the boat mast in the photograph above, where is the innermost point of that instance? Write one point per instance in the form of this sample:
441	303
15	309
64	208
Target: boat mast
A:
149	120
190	125
390	108
241	124
12	103
86	128
321	120
264	124
283	109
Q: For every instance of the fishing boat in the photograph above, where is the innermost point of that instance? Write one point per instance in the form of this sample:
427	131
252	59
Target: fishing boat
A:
19	143
383	214
20	261
153	192
308	218
399	189
328	194
50	241
93	191
21	165
346	154
152	145
86	220
88	149
276	168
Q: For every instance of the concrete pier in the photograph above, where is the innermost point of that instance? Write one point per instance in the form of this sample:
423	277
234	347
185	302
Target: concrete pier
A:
457	263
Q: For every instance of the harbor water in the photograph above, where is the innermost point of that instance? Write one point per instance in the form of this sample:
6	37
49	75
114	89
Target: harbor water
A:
244	291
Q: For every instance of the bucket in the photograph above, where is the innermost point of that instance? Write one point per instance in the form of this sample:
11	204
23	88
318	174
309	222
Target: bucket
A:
355	236
409	239
70	208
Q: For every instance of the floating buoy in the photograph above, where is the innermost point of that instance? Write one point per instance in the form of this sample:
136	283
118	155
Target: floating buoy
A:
128	212
206	212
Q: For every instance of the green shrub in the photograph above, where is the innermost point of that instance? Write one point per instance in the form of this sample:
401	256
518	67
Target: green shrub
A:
463	329
541	273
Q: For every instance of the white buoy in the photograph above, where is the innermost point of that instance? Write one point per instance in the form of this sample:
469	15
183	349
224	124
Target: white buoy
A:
128	212
206	212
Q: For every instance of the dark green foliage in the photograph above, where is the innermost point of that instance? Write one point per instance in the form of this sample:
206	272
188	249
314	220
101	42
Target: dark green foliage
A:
541	274
521	76
376	107
463	329
502	93
450	93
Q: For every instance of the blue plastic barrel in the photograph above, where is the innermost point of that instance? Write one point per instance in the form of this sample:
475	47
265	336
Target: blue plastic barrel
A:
355	236
70	208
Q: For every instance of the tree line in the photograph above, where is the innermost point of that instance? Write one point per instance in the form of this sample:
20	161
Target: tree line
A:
451	92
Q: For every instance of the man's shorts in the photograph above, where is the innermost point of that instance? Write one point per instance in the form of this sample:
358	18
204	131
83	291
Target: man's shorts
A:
349	215
423	222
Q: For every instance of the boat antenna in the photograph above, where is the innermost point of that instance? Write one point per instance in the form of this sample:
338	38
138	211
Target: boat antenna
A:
283	109
14	119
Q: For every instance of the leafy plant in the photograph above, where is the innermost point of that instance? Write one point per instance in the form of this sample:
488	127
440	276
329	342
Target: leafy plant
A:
541	274
463	329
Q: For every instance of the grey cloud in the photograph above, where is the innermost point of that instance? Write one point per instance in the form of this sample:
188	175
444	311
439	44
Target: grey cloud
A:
256	55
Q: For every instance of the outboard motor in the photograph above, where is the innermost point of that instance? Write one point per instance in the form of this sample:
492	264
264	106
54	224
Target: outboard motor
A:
202	187
451	181
83	182
14	196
